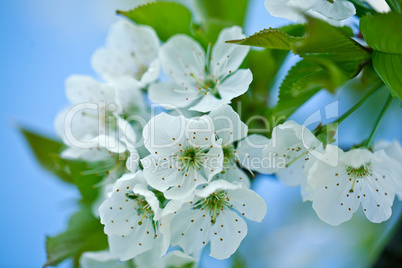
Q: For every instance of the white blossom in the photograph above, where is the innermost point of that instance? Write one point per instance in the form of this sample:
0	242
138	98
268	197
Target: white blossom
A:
184	154
214	215
392	149
100	259
250	151
295	10
130	51
290	148
229	129
361	177
148	259
199	81
131	215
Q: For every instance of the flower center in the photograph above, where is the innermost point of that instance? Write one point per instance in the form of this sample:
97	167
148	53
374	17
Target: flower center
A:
190	158
208	85
358	173
214	203
143	208
229	156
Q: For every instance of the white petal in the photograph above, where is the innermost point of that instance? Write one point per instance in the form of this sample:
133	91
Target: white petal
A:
227	124
152	73
164	133
128	95
377	200
129	49
199	132
393	150
208	103
215	186
234	174
133	160
236	84
289	142
332	200
227	57
79	124
213	162
159	173
175	205
293	175
177	258
117	212
185	185
226	234
91	155
180	57
100	259
190	230
357	157
248	203
82	88
250	151
339	10
171	95
141	189
292	10
111	143
128	246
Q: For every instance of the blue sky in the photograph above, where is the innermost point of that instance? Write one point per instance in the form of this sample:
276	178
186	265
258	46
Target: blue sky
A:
43	42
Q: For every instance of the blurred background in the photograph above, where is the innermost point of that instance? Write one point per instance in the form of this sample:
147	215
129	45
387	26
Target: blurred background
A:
43	42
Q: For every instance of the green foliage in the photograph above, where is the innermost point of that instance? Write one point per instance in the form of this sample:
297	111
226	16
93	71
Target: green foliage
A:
331	58
230	11
362	8
209	31
269	38
302	82
395	5
217	15
84	233
264	64
388	67
47	152
166	18
382	33
331	43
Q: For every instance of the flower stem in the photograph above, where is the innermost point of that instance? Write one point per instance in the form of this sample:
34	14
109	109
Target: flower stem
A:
357	105
377	123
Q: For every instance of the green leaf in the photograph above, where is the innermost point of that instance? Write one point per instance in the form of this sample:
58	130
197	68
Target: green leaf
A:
209	31
86	176
80	173
84	233
166	18
382	33
296	30
264	64
269	38
388	67
303	81
322	37
46	151
230	11
395	5
362	8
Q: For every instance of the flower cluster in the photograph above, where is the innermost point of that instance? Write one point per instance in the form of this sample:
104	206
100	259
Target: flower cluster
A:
172	180
179	180
337	182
